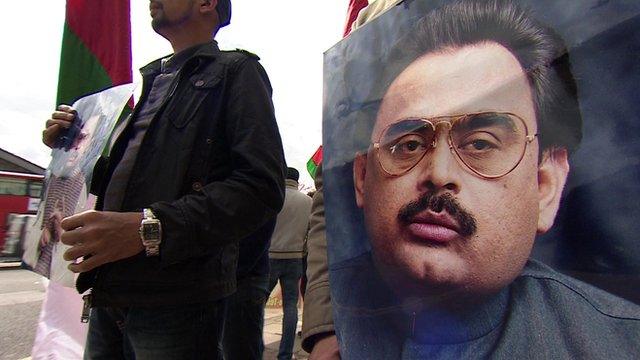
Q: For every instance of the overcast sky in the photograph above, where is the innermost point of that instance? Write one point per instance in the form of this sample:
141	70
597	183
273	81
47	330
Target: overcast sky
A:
288	35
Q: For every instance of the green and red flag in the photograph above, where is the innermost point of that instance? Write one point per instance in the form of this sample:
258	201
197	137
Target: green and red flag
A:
352	13
96	48
314	162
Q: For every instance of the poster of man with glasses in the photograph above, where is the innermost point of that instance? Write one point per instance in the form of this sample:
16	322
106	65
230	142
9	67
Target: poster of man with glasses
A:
456	134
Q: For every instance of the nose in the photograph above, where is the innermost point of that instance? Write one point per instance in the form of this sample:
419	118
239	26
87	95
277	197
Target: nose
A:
438	170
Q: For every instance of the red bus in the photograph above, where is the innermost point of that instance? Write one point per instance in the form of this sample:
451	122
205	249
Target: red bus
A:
19	194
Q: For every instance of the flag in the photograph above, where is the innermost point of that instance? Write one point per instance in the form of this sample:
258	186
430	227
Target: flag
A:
314	162
96	48
352	13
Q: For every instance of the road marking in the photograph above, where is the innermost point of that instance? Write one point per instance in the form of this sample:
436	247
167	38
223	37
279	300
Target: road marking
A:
21	297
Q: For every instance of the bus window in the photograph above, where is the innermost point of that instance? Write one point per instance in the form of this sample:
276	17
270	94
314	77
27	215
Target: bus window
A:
35	188
13	187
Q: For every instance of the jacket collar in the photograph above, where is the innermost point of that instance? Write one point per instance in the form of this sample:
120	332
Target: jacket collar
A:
206	50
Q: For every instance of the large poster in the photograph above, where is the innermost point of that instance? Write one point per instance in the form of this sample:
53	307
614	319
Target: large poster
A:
482	177
67	179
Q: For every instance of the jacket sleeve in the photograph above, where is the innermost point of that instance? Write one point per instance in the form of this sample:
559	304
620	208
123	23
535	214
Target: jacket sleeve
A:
230	209
317	316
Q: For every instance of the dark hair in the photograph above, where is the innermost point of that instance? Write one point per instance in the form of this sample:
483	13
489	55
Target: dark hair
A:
224	13
539	49
292	174
71	136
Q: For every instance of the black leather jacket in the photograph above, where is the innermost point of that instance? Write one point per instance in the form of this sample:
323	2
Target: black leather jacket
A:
211	166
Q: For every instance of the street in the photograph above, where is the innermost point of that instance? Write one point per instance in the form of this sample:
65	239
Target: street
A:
21	295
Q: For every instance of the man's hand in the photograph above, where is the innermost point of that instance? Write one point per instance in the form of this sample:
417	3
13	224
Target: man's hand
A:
106	236
326	349
60	119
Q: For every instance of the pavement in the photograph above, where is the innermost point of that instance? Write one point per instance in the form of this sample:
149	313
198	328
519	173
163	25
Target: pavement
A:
272	321
21	295
273	332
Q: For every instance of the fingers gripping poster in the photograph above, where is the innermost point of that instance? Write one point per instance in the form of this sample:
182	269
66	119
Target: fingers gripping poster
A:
482	176
67	179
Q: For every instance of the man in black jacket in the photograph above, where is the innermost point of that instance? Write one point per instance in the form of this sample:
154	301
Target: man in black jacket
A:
197	167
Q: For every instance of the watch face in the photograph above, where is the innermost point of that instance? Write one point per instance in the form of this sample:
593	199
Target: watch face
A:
151	231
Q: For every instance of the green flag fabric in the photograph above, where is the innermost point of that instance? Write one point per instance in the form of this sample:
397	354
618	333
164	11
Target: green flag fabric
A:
314	162
96	48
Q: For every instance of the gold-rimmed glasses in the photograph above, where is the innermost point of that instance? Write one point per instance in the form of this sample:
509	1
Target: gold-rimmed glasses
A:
490	144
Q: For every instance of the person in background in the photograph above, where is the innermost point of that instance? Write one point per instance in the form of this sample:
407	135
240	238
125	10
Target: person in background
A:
286	252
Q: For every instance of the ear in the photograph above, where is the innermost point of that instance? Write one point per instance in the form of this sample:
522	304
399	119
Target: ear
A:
552	176
359	173
208	5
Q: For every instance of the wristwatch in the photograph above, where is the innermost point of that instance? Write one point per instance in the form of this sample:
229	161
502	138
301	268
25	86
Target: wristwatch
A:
150	232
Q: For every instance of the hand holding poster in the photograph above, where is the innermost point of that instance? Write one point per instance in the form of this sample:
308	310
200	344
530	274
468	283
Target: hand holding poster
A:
450	129
68	178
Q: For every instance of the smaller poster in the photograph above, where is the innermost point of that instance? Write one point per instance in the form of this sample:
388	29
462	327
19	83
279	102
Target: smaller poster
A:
67	179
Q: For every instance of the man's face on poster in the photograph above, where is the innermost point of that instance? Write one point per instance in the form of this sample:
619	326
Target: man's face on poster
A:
475	234
82	144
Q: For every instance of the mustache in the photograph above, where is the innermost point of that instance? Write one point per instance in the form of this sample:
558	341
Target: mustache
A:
438	203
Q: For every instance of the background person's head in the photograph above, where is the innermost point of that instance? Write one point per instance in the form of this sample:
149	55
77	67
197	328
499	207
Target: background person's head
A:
293	174
440	226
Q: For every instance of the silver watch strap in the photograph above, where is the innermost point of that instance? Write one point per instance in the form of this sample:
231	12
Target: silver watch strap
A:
152	248
148	213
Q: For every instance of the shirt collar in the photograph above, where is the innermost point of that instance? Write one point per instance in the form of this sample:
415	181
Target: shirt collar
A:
208	49
174	62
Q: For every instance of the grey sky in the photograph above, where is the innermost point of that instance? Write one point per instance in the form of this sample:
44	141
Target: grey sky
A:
289	36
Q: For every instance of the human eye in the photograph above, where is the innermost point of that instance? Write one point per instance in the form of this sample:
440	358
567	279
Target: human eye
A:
408	145
479	143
